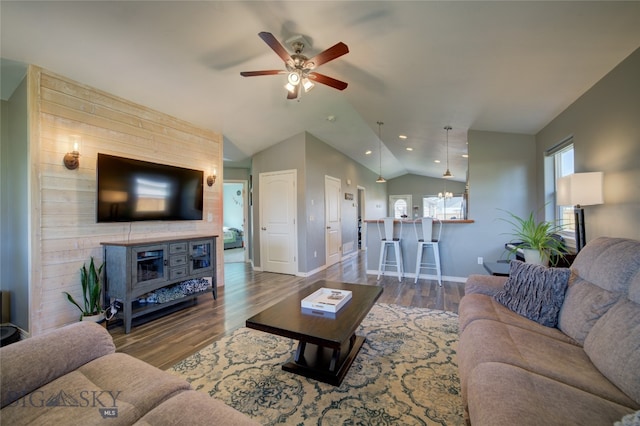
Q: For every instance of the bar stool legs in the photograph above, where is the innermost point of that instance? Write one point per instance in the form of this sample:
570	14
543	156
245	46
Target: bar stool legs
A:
384	262
428	265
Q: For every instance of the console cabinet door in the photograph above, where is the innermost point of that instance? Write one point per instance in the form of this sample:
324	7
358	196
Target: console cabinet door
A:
201	257
149	265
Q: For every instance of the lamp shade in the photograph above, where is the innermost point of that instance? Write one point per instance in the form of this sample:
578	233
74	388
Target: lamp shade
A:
584	189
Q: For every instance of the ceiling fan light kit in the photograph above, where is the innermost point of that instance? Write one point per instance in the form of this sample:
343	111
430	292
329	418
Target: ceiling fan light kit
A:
299	68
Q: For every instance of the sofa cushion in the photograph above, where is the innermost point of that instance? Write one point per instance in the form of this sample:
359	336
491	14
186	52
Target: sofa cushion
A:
202	409
501	394
609	263
584	304
634	287
116	381
25	366
490	341
478	306
535	291
484	284
614	347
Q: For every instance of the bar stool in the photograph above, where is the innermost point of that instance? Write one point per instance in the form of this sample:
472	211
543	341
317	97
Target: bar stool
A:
388	239
427	239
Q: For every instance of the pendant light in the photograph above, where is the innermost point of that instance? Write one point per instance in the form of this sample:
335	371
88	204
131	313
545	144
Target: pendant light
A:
380	178
447	174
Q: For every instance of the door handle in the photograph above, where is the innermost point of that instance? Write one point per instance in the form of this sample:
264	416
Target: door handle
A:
263	228
328	227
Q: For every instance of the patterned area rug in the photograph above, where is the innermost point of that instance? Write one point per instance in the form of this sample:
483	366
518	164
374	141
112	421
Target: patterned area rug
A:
405	374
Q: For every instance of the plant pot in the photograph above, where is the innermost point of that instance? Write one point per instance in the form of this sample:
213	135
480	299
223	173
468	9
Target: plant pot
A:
536	257
95	318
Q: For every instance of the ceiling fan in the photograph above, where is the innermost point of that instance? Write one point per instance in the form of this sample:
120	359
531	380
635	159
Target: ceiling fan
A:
299	67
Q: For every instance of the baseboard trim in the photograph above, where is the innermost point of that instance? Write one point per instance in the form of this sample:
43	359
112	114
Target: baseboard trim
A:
422	276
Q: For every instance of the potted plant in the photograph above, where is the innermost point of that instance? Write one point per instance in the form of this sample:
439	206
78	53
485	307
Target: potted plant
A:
91	292
536	239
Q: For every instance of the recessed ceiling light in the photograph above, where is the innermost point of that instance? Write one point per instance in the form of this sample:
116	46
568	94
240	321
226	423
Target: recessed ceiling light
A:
368	152
402	136
409	148
465	155
436	161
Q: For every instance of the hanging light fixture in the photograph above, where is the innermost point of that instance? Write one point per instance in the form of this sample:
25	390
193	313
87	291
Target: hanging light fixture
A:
447	174
380	178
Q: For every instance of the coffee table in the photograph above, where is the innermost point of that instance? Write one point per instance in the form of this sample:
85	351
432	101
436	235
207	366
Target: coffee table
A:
327	344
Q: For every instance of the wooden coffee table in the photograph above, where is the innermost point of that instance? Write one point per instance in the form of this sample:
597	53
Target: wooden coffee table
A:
327	344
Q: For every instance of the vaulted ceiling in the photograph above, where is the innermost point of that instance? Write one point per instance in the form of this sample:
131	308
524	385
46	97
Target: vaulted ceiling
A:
417	66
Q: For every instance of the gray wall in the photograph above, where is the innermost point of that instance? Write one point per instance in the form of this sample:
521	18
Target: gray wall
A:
14	205
323	160
605	124
236	173
286	155
501	176
313	160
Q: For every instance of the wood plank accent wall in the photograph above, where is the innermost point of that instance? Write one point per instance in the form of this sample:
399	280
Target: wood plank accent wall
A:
64	233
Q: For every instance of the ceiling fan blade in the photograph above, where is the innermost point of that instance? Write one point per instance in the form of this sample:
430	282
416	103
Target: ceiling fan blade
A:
294	94
330	54
275	45
265	72
323	79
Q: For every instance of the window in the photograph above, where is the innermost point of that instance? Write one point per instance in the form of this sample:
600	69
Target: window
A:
562	159
399	206
445	206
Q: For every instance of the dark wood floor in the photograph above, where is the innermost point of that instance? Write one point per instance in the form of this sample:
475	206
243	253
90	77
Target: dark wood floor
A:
168	339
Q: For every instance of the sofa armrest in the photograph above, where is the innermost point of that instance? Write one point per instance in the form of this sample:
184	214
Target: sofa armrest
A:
484	284
31	363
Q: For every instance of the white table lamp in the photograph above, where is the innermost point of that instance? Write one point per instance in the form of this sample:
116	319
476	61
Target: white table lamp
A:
580	189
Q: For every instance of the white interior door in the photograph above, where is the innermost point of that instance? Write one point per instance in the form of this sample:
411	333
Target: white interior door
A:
278	237
333	224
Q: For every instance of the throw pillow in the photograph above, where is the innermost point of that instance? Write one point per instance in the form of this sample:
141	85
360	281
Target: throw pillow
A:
535	291
632	419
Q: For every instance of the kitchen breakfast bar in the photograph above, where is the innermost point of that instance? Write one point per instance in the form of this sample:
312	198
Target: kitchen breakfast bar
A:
409	232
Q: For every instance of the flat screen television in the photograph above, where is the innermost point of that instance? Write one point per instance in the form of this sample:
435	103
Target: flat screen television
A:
133	190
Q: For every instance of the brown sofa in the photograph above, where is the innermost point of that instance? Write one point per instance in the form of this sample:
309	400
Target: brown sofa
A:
73	375
583	371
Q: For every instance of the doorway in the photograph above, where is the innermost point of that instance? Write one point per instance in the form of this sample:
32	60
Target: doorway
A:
361	218
234	220
333	223
278	213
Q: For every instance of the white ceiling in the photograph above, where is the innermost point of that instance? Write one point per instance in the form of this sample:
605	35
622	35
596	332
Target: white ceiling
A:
417	66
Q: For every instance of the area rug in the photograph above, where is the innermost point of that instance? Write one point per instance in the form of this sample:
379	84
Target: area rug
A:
405	374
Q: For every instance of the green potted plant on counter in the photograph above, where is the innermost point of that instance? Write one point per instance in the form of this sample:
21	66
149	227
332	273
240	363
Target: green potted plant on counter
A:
91	280
538	240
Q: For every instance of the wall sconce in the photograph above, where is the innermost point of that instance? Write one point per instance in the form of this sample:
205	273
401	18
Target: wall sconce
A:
211	179
71	159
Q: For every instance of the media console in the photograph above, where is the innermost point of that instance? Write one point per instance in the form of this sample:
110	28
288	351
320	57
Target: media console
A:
136	268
